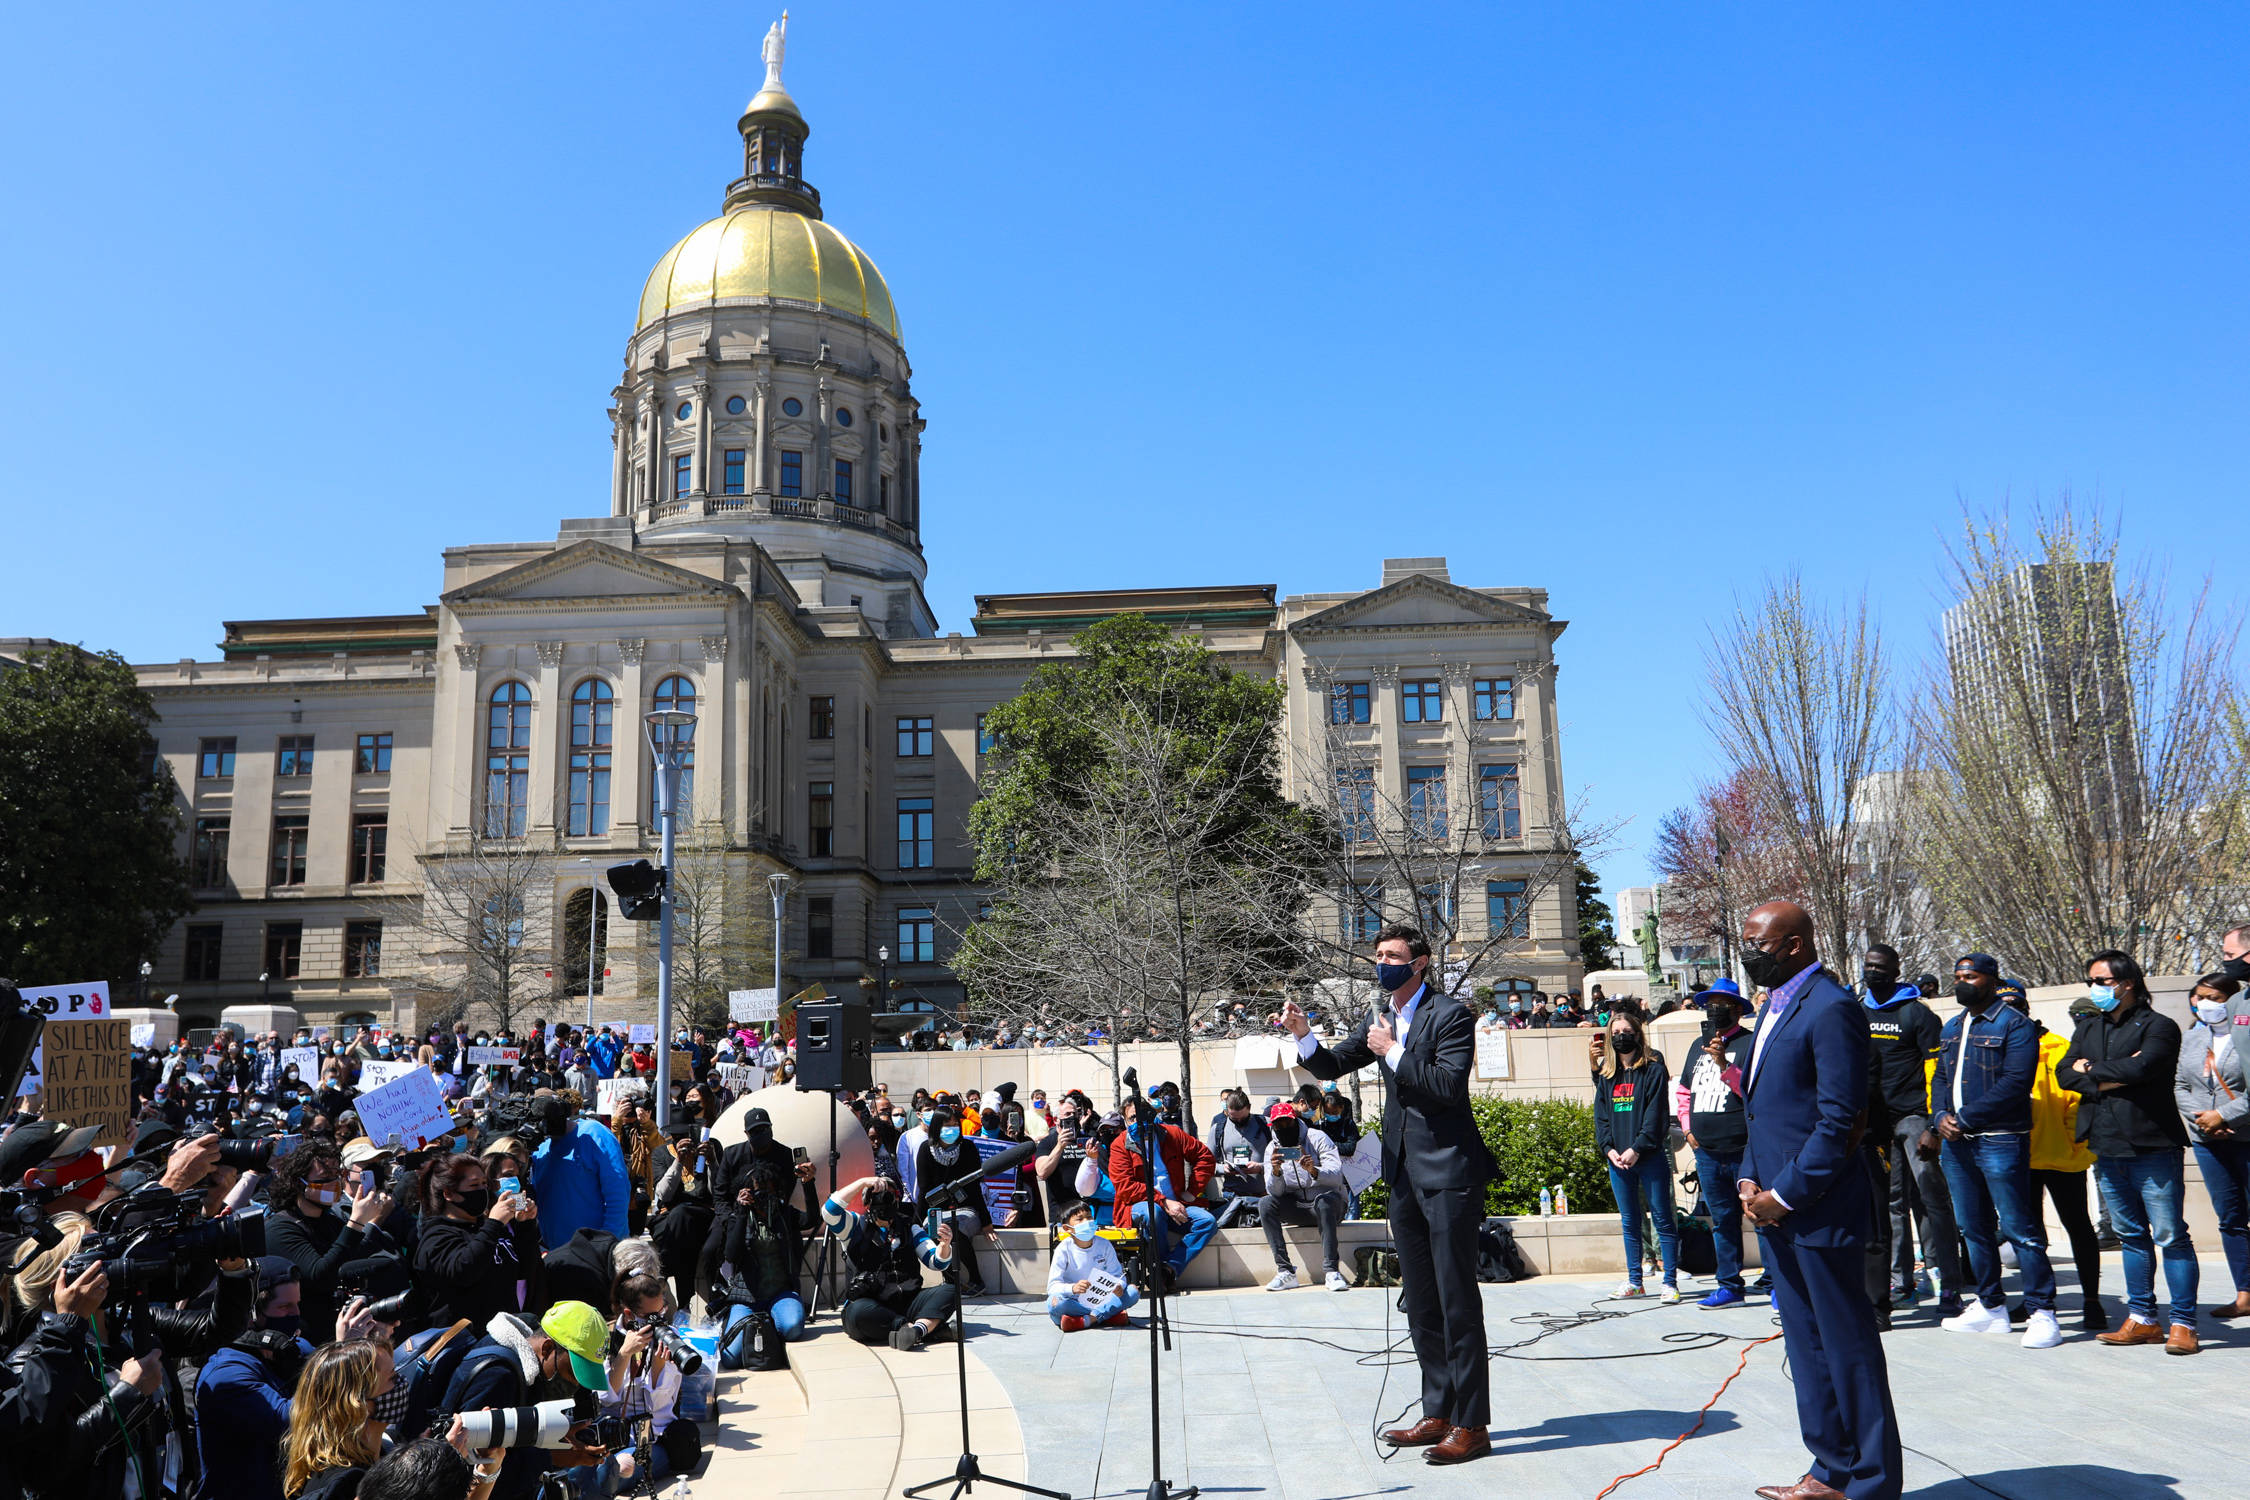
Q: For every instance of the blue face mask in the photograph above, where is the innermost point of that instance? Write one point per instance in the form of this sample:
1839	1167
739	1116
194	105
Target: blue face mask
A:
1083	1231
950	1135
927	1116
1394	976
2103	996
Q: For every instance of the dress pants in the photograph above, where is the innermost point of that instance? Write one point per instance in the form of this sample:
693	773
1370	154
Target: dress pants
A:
1435	1230
1836	1361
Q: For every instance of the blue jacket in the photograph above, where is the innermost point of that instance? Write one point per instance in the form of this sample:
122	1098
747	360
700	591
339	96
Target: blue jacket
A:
1806	1095
1996	1083
241	1419
580	1182
604	1048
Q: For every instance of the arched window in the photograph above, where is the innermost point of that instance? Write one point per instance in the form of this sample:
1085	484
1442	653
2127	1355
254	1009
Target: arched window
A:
585	928
507	761
593	722
675	693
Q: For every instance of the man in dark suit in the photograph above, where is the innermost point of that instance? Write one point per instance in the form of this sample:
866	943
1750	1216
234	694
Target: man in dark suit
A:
1436	1165
1806	1185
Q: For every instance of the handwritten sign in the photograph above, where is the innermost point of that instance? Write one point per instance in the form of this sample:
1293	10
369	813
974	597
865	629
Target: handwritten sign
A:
409	1107
742	1078
753	1005
144	1033
306	1059
1492	1052
642	1032
376	1072
494	1057
85	1061
609	1090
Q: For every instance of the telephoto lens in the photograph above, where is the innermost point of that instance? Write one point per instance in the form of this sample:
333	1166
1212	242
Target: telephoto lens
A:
247	1155
546	1425
684	1354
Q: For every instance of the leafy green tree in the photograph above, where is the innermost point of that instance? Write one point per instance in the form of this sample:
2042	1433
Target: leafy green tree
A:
1597	927
89	822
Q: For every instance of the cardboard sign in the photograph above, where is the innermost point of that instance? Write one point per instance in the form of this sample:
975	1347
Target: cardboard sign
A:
307	1060
642	1032
85	1060
409	1107
1492	1052
494	1057
753	1005
376	1072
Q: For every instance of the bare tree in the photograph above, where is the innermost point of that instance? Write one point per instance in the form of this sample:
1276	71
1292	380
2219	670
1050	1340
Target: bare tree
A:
721	933
1718	857
2081	780
485	925
1800	700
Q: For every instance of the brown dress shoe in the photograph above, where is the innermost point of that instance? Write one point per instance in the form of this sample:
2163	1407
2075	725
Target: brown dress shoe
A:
1461	1444
1421	1435
2238	1308
2182	1340
2132	1331
1807	1488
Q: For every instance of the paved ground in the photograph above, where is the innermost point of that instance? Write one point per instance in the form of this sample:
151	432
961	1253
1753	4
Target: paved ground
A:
1253	1405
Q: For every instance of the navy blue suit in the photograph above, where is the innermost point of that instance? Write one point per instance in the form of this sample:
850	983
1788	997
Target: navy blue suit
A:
1804	1104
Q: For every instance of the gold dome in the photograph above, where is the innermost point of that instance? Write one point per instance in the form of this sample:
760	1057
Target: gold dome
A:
767	252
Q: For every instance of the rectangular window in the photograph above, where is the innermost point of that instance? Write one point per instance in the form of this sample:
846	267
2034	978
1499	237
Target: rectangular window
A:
820	927
792	473
1363	912
823	718
1501	793
363	950
1355	803
917	834
987	741
917	935
843	481
1435	910
294	758
209	861
731	474
1506	913
371	837
285	941
202	953
1421	702
214	758
373	754
1348	703
289	838
915	737
683	474
1425	801
1495	698
823	819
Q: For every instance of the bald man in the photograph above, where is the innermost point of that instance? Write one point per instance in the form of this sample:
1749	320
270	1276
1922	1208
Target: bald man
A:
1805	1184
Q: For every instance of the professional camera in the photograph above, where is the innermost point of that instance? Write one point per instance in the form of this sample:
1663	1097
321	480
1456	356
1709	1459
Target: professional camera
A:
529	1118
684	1354
547	1425
248	1155
153	1242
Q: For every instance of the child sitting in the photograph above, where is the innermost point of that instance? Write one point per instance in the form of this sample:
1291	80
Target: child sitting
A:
1086	1285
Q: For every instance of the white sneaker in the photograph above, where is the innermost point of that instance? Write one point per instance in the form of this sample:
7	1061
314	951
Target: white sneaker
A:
2041	1331
1629	1289
1975	1317
1670	1296
1283	1281
1337	1283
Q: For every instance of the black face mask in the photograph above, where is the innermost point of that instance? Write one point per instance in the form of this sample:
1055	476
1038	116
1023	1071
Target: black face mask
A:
2236	968
1881	985
477	1201
1765	970
1975	997
760	1136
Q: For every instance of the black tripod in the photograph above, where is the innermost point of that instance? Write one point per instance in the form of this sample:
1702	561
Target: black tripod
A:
967	1473
822	1269
1156	1284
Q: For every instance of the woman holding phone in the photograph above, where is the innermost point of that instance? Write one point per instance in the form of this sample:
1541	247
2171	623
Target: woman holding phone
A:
319	1221
479	1251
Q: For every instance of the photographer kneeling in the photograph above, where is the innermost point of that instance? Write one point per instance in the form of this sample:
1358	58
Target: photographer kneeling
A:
885	1298
644	1381
515	1365
758	1274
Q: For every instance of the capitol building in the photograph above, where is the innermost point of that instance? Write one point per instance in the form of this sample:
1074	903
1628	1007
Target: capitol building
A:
363	795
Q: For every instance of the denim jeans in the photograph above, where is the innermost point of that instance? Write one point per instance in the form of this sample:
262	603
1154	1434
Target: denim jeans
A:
1718	1174
1327	1210
2226	1177
1648	1186
1181	1243
788	1314
1061	1305
1990	1179
2147	1195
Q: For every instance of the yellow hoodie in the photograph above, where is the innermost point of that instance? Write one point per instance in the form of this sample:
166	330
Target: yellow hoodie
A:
2055	1146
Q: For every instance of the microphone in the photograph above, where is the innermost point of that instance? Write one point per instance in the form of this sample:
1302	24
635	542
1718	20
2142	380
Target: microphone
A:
949	1194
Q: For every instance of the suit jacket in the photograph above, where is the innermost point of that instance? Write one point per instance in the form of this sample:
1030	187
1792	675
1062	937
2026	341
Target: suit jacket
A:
1430	1139
1807	1093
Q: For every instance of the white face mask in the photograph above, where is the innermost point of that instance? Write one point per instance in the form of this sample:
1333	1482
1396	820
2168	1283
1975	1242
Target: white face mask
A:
2210	1012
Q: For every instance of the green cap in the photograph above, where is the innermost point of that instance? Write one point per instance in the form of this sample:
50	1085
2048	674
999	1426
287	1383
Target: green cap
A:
583	1334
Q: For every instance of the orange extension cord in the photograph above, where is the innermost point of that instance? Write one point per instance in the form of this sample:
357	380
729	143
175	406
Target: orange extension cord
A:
1704	1411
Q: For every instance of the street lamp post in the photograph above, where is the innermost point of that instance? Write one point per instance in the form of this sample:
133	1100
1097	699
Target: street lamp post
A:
665	736
147	969
883	979
778	883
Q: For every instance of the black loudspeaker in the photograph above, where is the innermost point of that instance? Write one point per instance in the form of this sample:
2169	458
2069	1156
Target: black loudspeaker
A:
833	1048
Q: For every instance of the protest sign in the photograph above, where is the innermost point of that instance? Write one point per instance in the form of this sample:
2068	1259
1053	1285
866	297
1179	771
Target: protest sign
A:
376	1072
742	1078
608	1091
1492	1051
85	1060
144	1033
409	1107
492	1057
642	1032
307	1060
753	1005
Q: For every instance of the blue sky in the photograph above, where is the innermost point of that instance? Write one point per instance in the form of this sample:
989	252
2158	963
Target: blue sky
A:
1635	304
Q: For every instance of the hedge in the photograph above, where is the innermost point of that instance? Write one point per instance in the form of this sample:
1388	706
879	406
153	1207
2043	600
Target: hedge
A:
1538	1143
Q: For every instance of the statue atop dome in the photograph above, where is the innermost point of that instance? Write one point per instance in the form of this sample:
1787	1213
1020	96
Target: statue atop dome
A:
777	42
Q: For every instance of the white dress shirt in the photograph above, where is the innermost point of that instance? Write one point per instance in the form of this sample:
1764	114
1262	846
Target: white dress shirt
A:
1308	1044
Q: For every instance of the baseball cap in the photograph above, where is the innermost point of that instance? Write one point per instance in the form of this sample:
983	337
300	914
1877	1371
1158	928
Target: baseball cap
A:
584	1336
360	1150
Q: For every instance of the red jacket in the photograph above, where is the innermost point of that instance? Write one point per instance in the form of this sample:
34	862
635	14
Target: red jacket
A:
1187	1159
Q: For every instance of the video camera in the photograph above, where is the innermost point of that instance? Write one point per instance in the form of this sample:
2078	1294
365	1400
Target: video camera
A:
153	1242
550	1425
529	1118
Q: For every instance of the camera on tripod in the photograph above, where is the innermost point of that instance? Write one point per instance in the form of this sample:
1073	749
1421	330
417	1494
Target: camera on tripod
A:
162	1252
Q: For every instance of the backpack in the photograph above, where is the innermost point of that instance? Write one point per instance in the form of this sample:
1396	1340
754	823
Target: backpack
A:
425	1366
1498	1257
1377	1265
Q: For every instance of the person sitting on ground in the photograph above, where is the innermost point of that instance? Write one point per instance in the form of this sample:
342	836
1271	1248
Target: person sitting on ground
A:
885	1299
1086	1287
643	1380
1304	1175
1161	1169
757	1276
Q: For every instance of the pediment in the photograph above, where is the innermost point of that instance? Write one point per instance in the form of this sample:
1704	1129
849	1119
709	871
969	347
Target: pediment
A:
590	570
1421	603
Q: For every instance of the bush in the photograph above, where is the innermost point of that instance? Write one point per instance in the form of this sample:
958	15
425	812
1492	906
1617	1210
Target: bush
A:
1538	1143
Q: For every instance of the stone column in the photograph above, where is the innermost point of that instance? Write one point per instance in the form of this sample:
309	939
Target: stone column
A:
1382	713
762	404
620	460
820	481
628	793
702	397
465	789
550	740
711	725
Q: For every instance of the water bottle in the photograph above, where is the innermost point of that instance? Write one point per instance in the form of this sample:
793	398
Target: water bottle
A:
1546	1203
1562	1200
680	1491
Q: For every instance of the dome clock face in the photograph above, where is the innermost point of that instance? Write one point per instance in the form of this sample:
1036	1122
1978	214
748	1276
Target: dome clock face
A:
792	407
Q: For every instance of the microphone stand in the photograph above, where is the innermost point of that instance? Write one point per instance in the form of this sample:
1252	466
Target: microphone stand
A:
1155	1283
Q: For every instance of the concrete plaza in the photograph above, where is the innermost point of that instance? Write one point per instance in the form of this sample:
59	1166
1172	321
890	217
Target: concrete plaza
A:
1280	1394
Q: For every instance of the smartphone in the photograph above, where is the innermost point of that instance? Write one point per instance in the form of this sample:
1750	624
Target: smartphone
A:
703	1132
509	1187
799	1155
367	1180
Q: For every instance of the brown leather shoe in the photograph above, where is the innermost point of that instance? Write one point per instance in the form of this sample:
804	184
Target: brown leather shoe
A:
2238	1308
1422	1434
1461	1444
2182	1340
1807	1488
2132	1331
